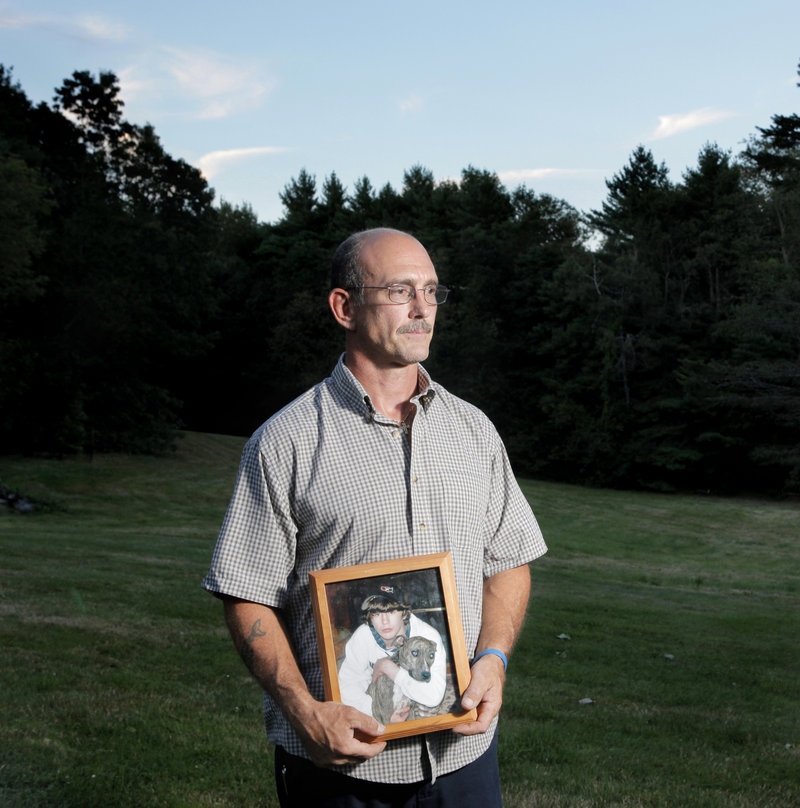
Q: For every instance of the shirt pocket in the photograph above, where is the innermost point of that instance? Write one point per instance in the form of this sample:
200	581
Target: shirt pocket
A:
464	496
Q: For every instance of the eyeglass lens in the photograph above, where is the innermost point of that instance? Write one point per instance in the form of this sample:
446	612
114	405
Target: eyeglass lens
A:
434	295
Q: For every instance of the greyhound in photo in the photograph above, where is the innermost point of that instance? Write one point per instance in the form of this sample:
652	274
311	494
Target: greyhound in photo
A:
415	655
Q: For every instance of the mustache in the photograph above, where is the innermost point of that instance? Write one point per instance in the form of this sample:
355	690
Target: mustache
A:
416	327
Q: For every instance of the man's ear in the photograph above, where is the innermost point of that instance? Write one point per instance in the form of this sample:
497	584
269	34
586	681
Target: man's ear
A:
343	308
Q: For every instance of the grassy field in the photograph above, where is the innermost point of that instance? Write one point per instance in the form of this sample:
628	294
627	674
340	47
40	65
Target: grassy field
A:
677	616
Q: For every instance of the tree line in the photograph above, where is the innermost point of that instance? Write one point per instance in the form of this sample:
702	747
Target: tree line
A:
654	342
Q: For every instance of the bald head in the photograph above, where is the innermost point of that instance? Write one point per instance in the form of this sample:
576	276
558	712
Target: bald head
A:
353	256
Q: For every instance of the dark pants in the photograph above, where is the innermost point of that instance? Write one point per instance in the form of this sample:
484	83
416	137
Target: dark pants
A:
301	784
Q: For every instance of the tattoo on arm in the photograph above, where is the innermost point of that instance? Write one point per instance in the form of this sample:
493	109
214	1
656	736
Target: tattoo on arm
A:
246	650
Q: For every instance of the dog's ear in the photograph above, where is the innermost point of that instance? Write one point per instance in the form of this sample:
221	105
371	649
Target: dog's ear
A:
400	641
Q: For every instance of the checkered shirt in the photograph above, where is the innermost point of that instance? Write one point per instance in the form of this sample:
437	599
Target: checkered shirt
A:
329	482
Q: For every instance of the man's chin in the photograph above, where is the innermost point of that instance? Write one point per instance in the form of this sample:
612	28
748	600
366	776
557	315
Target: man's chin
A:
415	354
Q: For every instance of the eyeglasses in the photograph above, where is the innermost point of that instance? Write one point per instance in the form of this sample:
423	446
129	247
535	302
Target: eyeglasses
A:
433	294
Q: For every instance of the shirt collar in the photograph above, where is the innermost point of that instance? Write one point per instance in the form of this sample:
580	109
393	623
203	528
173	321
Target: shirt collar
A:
355	397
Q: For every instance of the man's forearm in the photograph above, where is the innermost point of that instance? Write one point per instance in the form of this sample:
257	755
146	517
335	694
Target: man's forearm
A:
328	730
505	601
261	640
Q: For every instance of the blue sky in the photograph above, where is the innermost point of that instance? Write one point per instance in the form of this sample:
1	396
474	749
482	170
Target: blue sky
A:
554	95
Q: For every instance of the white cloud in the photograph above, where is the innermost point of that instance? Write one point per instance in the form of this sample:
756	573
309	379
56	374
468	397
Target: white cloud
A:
87	27
103	29
410	103
516	176
196	84
669	125
16	21
129	86
222	85
212	163
214	85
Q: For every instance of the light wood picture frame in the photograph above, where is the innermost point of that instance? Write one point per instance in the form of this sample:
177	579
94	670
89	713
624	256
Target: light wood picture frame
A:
426	585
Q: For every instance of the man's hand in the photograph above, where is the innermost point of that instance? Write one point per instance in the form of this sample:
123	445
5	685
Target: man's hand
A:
331	733
485	692
335	734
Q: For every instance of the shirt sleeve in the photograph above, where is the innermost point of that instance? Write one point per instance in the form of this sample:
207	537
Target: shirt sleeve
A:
255	553
513	536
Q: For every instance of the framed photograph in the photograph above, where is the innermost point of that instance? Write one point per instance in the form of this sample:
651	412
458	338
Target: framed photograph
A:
391	642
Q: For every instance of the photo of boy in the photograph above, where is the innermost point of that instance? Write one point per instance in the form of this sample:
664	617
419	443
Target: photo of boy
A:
373	651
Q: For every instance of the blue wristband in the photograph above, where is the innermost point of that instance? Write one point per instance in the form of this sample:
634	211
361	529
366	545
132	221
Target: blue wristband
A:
496	653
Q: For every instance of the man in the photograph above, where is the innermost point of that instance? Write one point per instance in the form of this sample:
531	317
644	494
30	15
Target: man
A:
376	462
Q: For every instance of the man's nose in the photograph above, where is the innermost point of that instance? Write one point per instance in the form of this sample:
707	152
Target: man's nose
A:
418	306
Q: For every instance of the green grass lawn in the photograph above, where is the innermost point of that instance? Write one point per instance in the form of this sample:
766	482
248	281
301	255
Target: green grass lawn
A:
120	687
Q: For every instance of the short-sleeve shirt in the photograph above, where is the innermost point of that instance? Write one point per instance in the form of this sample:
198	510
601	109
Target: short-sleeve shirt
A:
329	482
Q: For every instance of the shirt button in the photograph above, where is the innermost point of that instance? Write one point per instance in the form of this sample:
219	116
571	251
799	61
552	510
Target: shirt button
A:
415	479
422	525
395	433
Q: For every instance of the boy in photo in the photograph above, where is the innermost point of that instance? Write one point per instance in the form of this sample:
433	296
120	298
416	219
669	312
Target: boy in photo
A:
372	650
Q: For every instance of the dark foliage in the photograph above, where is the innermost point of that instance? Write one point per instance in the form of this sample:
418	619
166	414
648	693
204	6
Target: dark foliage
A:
666	357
